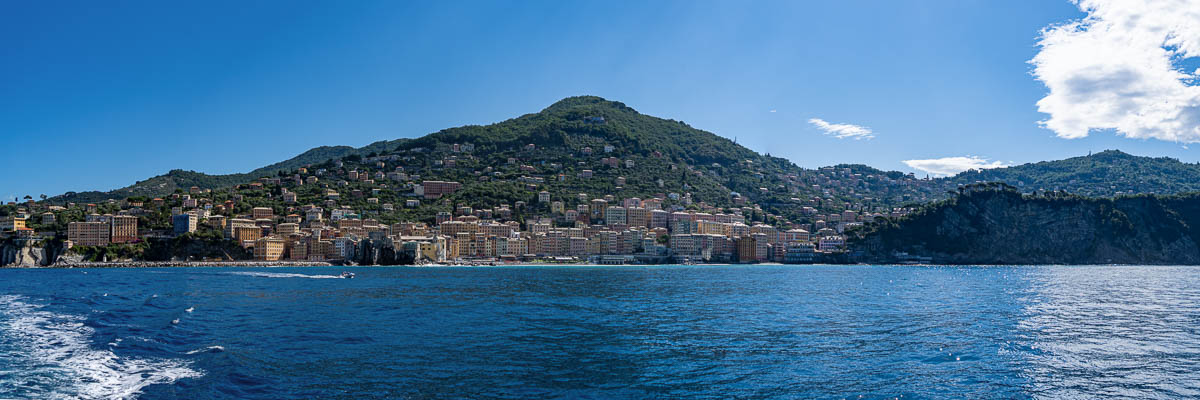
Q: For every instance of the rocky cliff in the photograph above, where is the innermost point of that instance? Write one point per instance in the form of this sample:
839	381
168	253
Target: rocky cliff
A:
29	253
997	225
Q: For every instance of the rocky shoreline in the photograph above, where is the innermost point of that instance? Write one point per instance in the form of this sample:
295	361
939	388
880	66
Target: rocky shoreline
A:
166	264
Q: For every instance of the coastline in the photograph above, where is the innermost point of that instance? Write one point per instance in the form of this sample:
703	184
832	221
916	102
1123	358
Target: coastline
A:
286	264
180	264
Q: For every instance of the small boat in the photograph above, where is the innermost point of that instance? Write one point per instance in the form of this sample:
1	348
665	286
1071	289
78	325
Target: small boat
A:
347	275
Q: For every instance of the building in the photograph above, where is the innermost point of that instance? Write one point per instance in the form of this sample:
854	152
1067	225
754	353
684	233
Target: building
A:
183	223
800	253
269	248
247	235
637	216
747	250
287	228
88	233
262	212
615	216
832	243
124	229
232	224
11	223
436	189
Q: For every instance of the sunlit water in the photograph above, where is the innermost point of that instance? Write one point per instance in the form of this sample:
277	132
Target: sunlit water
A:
602	332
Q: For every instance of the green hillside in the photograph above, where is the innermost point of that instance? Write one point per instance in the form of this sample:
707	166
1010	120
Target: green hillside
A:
996	224
667	157
713	169
180	179
1105	174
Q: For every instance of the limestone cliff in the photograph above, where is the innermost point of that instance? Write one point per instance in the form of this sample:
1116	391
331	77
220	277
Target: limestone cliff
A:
29	253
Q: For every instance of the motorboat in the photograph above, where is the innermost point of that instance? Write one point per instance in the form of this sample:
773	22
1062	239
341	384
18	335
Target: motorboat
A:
347	275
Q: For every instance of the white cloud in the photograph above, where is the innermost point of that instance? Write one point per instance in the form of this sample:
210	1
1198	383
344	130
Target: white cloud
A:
843	131
1117	69
773	110
952	165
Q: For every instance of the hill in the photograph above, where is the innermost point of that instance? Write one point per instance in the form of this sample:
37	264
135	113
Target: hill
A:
625	152
182	180
668	156
598	147
996	224
1105	174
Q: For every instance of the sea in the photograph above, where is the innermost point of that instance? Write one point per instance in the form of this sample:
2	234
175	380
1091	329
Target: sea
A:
611	332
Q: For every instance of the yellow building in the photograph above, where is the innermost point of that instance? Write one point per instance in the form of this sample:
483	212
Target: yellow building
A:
287	229
247	234
11	223
232	224
269	248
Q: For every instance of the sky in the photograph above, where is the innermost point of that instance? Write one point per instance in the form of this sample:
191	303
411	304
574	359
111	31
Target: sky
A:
99	95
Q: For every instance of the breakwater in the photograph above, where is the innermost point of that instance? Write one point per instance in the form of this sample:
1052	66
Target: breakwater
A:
166	264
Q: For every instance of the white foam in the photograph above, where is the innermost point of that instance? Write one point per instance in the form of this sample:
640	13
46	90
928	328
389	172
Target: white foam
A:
284	275
56	361
214	349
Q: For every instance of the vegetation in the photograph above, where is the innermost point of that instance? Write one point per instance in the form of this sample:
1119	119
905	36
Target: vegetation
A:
1105	174
668	159
994	223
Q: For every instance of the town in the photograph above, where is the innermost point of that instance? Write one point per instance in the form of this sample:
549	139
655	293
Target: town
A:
379	210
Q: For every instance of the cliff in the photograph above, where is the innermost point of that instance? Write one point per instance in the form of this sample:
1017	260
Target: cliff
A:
994	224
29	253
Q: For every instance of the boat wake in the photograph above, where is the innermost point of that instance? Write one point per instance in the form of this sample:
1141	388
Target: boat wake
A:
47	355
283	275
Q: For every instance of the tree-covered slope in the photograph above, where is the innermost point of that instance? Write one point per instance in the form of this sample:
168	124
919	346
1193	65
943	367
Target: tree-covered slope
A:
181	179
995	224
1108	173
685	160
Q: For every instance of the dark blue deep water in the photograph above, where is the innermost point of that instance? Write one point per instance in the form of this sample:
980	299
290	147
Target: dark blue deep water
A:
752	332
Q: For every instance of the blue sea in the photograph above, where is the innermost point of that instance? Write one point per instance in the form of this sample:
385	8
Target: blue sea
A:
749	332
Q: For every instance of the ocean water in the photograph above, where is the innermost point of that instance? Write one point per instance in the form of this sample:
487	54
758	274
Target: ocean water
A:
751	332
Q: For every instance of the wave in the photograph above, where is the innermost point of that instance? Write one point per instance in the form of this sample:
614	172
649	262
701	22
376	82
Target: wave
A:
209	349
53	358
284	275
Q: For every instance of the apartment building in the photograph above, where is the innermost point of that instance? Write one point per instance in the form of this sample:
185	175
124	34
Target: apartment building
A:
89	233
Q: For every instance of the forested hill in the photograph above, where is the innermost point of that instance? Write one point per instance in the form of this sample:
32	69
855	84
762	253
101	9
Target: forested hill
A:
686	160
571	138
994	224
1105	174
180	179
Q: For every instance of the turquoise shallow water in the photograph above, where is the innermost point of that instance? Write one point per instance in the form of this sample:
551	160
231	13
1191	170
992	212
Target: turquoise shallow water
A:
752	332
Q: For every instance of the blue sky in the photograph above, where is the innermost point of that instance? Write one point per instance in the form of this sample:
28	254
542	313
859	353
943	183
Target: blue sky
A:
98	95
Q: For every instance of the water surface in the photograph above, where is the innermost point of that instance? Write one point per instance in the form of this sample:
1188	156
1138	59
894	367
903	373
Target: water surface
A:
753	332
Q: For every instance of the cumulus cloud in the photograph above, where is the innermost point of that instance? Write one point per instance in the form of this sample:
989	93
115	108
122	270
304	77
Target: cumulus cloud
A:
1118	69
952	165
843	131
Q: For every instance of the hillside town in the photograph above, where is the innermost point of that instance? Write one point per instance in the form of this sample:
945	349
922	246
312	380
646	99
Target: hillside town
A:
379	210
